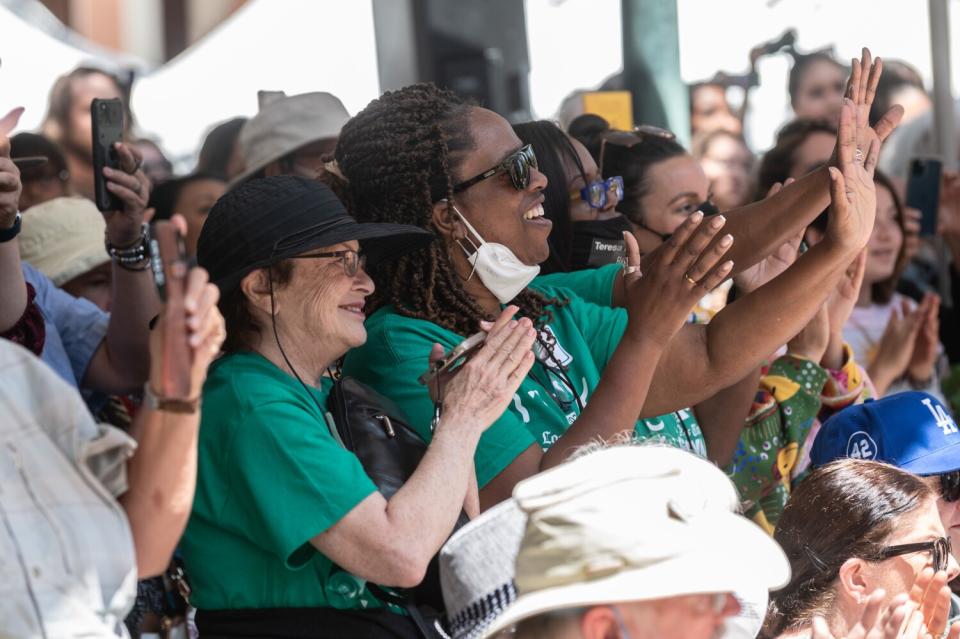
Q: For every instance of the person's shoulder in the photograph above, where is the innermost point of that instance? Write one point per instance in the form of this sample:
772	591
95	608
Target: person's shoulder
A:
244	381
396	336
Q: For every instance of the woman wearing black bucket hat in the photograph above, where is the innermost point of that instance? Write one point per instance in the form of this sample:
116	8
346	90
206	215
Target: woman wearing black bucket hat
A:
287	527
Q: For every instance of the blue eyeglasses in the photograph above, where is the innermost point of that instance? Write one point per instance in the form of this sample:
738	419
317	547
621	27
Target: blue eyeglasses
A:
595	193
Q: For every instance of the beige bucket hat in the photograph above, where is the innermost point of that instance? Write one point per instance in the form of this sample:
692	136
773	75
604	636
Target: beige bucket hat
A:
634	523
286	123
63	238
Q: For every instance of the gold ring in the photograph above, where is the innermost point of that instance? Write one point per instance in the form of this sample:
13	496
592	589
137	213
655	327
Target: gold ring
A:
687	277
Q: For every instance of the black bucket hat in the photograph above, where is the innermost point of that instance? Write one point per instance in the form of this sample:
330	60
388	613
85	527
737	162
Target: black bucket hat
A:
264	221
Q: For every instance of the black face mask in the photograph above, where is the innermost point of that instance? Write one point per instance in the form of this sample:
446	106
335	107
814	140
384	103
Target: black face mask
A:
599	242
706	207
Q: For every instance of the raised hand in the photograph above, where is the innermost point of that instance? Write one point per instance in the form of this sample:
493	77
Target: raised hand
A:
131	186
931	594
896	347
811	343
926	348
205	328
752	278
678	273
853	196
840	305
481	389
861	91
10	185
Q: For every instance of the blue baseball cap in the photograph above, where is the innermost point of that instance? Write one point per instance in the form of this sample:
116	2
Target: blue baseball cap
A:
912	431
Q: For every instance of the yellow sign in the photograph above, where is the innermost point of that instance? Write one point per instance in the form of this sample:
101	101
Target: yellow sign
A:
616	107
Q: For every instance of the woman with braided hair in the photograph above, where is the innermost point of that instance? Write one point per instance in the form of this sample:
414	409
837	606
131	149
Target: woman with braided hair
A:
420	156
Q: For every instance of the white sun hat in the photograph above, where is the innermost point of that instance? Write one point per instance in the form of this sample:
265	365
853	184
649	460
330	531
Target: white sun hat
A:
634	523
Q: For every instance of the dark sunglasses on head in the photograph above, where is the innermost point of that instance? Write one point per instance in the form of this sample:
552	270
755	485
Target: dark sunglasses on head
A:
517	165
940	549
950	486
630	139
595	193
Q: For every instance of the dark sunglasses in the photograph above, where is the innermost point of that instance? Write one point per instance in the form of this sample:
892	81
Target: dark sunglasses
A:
595	193
939	547
517	165
950	486
630	139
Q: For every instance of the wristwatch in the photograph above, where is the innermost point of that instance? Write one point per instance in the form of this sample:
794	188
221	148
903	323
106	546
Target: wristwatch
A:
8	234
156	402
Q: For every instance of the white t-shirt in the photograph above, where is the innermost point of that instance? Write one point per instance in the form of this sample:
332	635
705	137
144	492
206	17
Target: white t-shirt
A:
864	330
67	561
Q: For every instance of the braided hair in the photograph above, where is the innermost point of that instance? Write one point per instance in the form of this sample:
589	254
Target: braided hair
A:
398	157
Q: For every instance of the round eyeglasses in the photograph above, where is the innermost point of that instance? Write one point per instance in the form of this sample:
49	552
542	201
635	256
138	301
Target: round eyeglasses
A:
596	193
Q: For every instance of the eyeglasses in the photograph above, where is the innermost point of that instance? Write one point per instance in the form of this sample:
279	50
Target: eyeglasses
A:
350	259
939	547
595	193
517	165
630	139
950	486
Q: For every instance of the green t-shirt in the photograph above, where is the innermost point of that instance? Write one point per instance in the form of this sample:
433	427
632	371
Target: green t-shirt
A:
397	352
271	477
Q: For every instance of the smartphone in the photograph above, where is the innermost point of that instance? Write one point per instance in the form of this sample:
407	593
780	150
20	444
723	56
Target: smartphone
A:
923	192
169	263
457	354
106	117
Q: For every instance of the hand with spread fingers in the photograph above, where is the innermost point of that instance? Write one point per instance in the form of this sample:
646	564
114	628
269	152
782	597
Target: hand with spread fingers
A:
131	186
902	618
861	91
853	196
750	279
681	271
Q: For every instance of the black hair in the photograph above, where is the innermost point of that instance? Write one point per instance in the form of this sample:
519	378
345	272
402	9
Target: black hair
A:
33	144
218	147
801	62
633	163
165	196
555	152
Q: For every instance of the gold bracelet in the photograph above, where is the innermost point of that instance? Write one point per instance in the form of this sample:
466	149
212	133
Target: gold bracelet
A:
168	404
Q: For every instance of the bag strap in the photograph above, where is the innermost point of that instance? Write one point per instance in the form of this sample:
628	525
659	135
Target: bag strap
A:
427	630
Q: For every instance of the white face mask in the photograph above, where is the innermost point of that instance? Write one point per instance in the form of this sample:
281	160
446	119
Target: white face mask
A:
498	268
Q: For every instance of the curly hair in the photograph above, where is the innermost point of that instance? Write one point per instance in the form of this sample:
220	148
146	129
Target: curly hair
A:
398	157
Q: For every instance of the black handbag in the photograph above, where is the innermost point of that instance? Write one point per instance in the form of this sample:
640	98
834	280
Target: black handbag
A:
374	429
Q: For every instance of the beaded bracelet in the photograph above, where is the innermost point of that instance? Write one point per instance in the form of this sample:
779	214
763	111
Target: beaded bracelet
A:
135	257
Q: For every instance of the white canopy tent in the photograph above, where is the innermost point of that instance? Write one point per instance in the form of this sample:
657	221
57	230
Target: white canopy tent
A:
290	45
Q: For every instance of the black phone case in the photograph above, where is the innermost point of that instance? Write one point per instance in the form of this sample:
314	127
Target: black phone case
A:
923	192
107	129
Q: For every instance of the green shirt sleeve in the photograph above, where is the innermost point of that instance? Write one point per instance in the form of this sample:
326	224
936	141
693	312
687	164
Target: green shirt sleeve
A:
593	285
397	352
321	481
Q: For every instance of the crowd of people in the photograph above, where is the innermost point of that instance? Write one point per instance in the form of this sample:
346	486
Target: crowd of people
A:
450	376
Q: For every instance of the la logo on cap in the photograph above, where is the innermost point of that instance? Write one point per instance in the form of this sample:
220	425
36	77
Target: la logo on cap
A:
944	422
861	446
